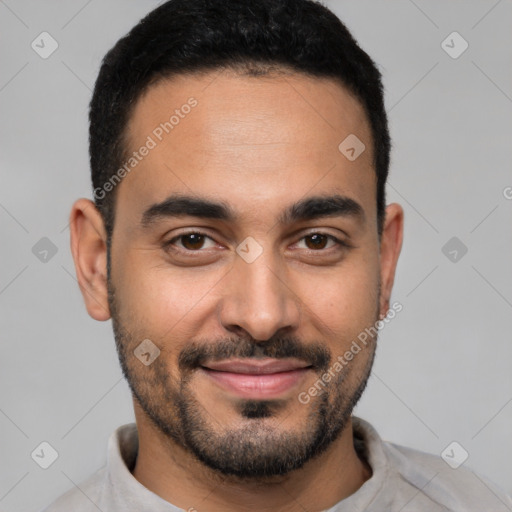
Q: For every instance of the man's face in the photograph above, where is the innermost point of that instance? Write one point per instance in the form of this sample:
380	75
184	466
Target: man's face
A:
255	288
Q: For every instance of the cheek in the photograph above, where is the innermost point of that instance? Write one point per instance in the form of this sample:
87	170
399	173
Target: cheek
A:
160	302
343	302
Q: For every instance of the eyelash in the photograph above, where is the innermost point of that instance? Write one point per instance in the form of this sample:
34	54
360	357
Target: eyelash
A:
170	244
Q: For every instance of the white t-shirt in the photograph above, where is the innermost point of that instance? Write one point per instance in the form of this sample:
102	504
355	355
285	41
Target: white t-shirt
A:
403	480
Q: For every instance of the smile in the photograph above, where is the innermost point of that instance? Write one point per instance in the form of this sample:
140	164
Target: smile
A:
257	379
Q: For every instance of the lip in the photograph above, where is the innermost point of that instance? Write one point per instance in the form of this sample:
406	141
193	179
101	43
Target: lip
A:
257	366
258	379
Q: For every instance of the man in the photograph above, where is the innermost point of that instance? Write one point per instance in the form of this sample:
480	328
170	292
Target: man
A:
241	244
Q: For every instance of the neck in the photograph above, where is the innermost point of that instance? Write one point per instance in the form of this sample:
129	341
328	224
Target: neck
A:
174	474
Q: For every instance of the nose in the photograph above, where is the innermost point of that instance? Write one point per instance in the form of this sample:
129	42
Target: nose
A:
258	300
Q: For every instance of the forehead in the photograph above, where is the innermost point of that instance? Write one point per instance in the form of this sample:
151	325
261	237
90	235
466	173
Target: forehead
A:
253	142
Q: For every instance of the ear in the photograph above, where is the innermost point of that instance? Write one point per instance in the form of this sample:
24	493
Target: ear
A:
390	246
89	249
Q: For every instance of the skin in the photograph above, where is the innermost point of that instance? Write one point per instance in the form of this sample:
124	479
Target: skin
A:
258	144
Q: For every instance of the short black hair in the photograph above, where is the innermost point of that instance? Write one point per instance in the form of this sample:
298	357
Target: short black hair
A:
258	36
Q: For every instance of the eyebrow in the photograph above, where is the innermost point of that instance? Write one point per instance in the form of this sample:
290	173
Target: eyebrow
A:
306	209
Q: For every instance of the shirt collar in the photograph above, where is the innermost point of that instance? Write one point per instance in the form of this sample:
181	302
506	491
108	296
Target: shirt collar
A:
125	489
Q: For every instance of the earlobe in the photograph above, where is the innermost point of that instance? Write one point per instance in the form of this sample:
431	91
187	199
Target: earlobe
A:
89	249
390	246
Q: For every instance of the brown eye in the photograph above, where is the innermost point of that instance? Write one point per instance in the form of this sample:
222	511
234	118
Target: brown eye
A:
316	241
322	243
190	242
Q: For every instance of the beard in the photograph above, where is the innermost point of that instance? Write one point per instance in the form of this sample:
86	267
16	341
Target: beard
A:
256	450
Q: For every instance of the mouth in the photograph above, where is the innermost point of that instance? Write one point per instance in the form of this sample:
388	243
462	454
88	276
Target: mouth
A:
257	378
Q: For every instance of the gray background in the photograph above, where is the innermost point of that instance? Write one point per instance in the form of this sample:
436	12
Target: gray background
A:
443	371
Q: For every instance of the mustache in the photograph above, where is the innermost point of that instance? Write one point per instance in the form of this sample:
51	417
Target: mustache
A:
196	354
